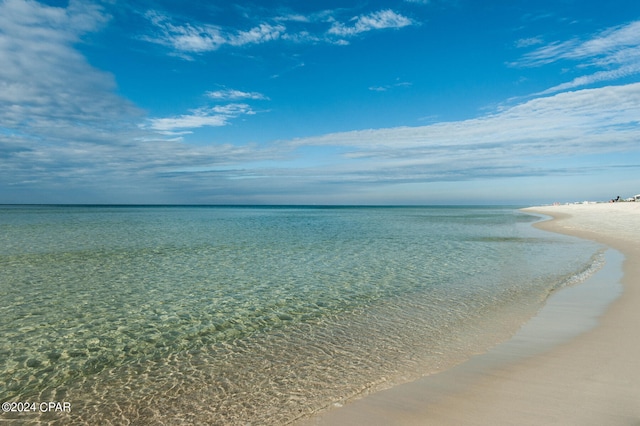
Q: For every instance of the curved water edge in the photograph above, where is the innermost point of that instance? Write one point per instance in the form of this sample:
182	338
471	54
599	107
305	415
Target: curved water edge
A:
259	315
572	311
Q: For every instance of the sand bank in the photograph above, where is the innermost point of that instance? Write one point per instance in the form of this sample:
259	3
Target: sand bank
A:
592	378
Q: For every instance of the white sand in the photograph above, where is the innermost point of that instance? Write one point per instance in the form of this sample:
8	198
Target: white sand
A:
591	379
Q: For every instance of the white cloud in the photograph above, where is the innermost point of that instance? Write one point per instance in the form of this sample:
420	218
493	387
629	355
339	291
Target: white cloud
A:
388	87
293	17
614	51
528	42
541	137
516	141
48	23
199	38
201	117
47	86
234	95
215	116
609	42
261	34
374	21
188	38
597	77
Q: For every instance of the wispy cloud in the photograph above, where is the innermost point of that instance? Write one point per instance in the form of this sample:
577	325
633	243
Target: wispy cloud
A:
209	116
321	27
388	87
47	86
528	42
597	77
373	21
260	34
201	117
614	53
184	38
232	94
518	140
198	38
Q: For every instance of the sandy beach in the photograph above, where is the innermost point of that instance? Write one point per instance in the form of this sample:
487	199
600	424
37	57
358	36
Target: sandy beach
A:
592	378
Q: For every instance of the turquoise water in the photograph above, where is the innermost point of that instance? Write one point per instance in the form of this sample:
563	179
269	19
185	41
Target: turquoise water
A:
257	315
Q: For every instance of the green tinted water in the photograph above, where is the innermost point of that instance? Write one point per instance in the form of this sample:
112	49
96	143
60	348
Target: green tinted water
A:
233	315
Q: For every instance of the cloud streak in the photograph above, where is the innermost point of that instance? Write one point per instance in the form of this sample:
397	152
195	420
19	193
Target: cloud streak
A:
388	87
517	140
379	20
210	116
614	51
201	117
234	95
197	38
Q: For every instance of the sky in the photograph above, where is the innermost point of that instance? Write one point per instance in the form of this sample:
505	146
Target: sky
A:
319	102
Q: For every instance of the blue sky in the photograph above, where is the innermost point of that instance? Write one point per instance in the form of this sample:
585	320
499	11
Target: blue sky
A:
289	102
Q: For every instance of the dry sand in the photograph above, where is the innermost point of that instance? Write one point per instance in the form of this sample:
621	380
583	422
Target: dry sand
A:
590	379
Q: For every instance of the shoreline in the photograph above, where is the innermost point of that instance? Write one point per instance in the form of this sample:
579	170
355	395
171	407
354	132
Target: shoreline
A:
586	379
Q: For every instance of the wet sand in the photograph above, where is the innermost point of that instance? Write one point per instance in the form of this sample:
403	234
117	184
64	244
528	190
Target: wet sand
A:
576	363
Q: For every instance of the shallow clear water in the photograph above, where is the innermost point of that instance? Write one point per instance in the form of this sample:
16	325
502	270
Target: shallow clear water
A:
236	315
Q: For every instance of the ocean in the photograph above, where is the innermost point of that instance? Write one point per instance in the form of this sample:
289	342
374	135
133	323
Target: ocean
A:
256	315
